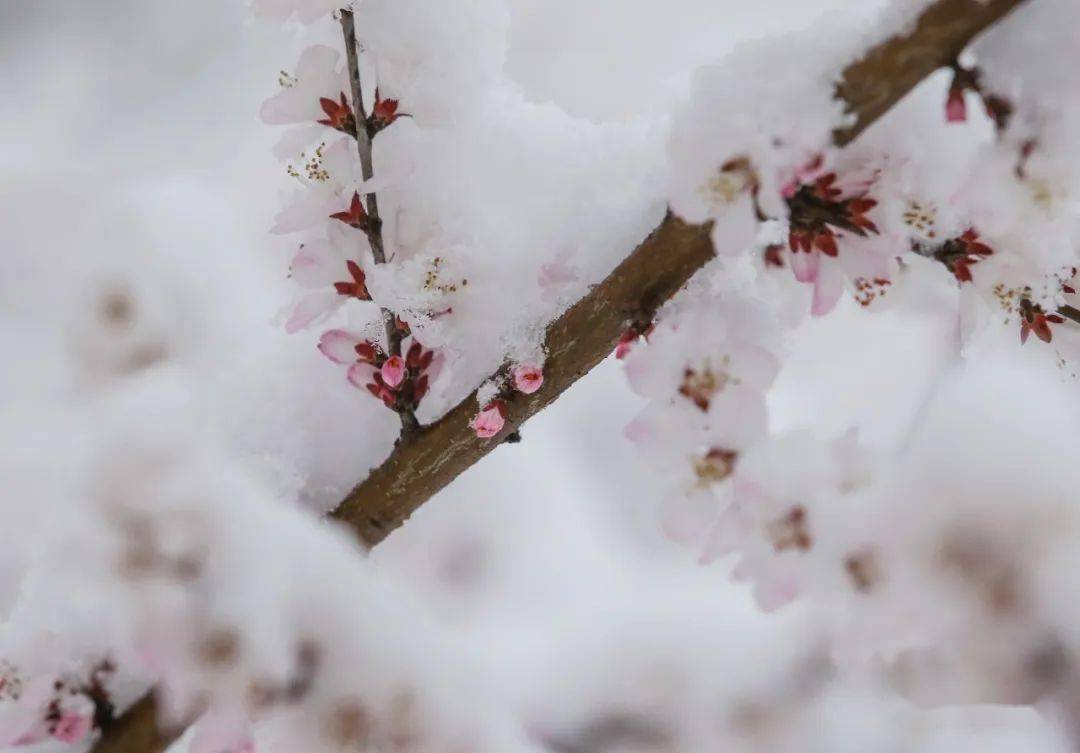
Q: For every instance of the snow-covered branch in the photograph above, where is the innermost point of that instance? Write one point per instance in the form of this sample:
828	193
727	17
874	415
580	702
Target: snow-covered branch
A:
654	272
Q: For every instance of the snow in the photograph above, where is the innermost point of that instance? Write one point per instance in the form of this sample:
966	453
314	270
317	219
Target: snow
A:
891	481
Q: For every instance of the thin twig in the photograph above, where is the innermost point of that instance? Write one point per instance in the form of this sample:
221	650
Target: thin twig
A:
409	425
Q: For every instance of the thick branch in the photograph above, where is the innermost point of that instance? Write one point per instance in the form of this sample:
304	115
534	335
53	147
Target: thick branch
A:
586	333
654	272
575	342
889	71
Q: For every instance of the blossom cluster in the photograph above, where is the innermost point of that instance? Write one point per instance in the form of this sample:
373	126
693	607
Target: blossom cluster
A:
906	545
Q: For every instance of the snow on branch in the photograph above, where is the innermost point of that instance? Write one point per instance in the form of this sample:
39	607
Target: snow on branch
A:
632	293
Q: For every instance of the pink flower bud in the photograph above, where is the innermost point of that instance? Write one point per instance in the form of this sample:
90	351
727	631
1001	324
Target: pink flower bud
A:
956	107
528	378
393	371
490	421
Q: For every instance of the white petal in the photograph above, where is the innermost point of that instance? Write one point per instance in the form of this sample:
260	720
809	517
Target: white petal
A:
312	307
317	76
339	346
318	264
827	289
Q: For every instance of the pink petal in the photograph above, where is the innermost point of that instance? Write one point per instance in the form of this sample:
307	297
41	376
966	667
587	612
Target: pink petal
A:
528	378
827	290
222	733
305	208
73	727
805	265
772	596
360	374
34	735
338	345
318	264
393	371
312	307
488	422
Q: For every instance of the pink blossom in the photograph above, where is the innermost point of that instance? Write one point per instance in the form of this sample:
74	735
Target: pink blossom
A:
528	378
330	270
490	421
393	371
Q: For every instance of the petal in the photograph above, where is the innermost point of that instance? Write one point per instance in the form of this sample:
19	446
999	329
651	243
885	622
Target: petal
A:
338	345
317	76
221	733
312	307
827	289
318	264
805	265
754	365
295	141
393	371
361	374
303	209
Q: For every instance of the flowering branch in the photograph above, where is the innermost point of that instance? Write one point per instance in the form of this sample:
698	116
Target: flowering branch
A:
871	86
587	332
653	273
364	129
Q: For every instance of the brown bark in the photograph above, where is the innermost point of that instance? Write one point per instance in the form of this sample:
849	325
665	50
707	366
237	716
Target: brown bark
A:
136	731
587	332
871	86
